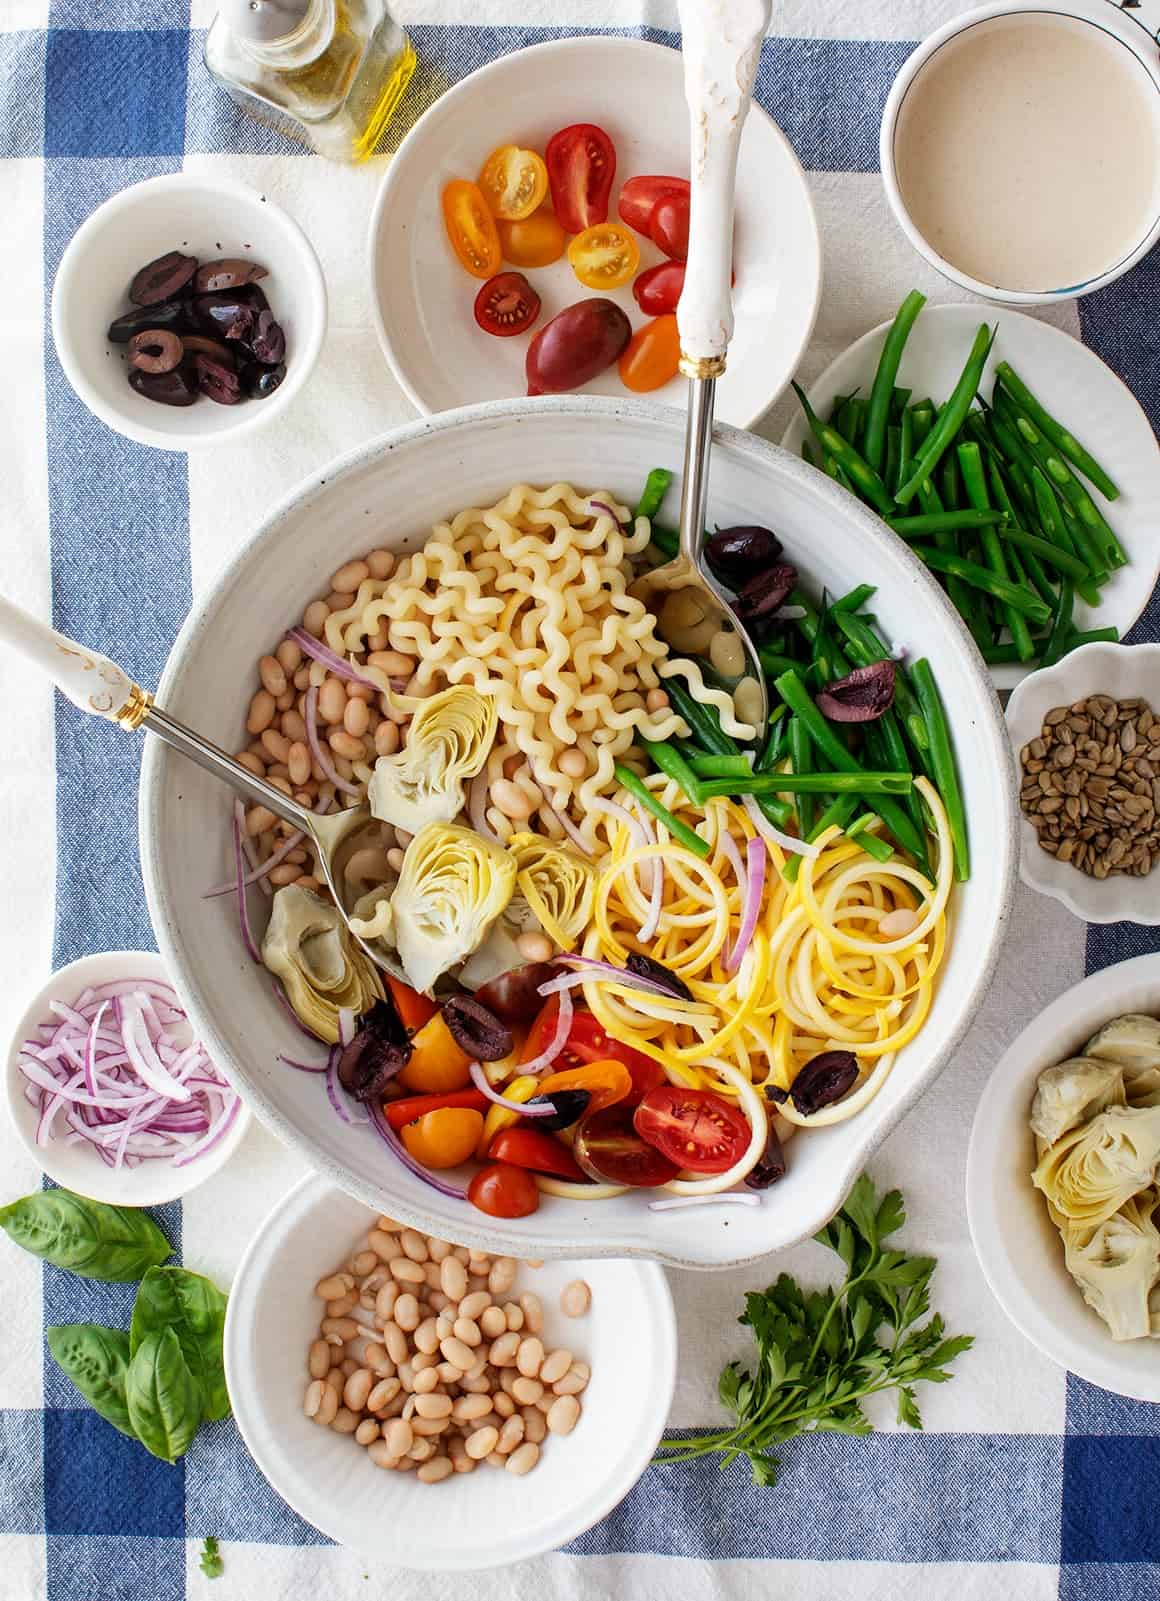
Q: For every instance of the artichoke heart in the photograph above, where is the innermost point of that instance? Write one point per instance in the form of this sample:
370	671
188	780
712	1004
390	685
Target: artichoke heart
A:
452	887
1117	1264
1073	1093
1094	1170
322	970
1134	1042
448	741
557	884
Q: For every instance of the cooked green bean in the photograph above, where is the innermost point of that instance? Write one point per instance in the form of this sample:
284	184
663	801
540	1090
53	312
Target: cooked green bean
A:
938	522
775	740
854	600
865	480
1060	437
905	448
882	391
666	540
846	418
1003	655
1060	625
859	830
656	487
967	602
801	759
943	768
921	422
702	720
951	417
670	761
1052	554
720	766
681	832
859	783
970	459
774	662
893	466
970	572
899	399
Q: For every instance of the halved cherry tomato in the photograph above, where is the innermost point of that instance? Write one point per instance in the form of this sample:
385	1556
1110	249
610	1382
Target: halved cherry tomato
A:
437	1064
414	1106
669	226
507	304
610	1150
413	1009
504	1191
581	166
694	1128
658	288
513	182
443	1138
652	356
604	256
535	241
471	228
527	1147
640	195
588	1042
606	1082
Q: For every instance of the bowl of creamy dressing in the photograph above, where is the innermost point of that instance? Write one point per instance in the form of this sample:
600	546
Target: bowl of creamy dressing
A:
1020	147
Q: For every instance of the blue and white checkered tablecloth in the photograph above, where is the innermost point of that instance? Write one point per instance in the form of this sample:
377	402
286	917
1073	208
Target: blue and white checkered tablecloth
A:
1027	1484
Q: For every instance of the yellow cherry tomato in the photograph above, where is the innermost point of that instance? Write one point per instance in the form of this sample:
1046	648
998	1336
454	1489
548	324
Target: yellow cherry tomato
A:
444	1138
501	1117
535	241
471	229
604	256
651	356
513	182
437	1064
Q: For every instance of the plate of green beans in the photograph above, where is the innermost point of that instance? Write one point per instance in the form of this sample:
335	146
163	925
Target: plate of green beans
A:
1016	465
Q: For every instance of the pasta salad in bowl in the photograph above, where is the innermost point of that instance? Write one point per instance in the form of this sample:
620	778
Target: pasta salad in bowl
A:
616	952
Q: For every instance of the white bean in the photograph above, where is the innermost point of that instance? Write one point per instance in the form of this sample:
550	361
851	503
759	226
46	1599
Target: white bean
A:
575	1298
523	1459
554	1366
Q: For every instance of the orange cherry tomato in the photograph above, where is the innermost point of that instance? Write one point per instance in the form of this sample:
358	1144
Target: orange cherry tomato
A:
412	1107
513	182
604	256
501	1190
437	1064
606	1082
443	1138
413	1009
471	229
652	355
535	241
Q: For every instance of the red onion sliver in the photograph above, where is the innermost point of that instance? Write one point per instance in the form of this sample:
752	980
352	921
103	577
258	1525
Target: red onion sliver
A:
240	885
216	1132
774	836
593	967
335	1093
330	772
346	1022
330	659
479	1079
730	848
146	1061
258	873
388	1136
477	808
556	1045
91	1047
602	505
303	1067
756	856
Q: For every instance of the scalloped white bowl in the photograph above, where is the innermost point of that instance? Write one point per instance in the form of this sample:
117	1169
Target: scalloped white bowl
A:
390	492
1123	671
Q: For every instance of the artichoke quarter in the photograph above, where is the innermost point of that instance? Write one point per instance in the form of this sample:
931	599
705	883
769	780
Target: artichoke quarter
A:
307	946
448	740
452	886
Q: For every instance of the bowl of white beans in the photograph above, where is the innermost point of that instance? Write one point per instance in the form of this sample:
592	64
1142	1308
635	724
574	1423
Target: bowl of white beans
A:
438	1407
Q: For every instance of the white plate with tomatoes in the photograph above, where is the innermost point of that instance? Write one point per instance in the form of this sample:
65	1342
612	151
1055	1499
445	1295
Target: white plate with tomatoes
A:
582	145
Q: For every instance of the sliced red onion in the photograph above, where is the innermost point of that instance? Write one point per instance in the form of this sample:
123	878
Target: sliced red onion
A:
250	852
564	821
334	663
303	1067
477	808
593	967
602	505
479	1079
258	873
774	836
217	1131
310	716
563	1026
144	1058
240	885
91	1048
756	856
730	847
346	1025
335	1093
677	1203
388	1136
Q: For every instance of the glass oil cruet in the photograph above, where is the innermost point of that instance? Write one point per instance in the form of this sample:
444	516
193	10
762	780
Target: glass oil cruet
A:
327	71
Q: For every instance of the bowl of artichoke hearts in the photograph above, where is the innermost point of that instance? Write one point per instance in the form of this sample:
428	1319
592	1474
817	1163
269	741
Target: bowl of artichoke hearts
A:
1063	1179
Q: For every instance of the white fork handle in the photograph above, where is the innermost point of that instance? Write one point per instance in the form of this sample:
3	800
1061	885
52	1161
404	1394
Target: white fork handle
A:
89	680
721	42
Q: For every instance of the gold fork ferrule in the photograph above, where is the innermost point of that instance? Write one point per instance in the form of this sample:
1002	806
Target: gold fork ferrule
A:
701	366
135	710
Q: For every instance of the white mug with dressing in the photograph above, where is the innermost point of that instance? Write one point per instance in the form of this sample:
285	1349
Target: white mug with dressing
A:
1020	146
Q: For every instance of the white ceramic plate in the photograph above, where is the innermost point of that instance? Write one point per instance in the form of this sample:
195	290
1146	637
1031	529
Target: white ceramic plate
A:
1016	1242
390	492
78	1167
1124	672
470	1521
423	299
1075	386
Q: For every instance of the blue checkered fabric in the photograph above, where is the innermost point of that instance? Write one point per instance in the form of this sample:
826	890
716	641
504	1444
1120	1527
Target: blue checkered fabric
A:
99	94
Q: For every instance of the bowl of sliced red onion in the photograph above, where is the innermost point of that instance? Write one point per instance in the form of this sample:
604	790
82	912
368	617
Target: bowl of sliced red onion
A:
109	1089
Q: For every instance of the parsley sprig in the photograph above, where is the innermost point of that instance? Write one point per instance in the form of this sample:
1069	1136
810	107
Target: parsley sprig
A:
210	1562
819	1354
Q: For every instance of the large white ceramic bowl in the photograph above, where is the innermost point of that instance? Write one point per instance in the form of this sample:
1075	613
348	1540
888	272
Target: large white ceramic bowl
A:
472	1521
389	493
1017	1244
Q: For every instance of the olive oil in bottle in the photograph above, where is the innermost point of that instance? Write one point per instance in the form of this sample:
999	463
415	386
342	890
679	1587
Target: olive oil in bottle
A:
327	71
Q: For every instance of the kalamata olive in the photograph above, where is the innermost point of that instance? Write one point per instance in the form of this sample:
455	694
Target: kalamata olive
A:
260	382
155	350
645	967
161	279
578	343
268	342
766	593
230	273
738	553
176	388
823	1080
770	1165
217	381
167	314
568	1107
200	345
379	1050
476	1030
226	315
515	996
861	696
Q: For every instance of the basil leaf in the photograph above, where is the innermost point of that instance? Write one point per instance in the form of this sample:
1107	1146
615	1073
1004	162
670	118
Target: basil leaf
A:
115	1243
96	1359
164	1398
195	1309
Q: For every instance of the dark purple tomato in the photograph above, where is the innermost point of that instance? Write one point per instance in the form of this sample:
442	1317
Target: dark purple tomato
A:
579	343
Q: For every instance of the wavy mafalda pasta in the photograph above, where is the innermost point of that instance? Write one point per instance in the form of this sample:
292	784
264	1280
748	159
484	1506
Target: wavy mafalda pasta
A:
528	601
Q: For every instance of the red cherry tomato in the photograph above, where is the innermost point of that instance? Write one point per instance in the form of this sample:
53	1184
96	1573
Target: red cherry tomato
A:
639	196
609	1149
506	305
415	1106
578	344
515	995
588	1042
539	1153
652	357
669	226
581	166
657	290
693	1128
504	1191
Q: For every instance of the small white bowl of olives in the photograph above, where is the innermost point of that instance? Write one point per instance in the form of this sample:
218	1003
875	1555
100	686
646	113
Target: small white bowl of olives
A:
188	308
